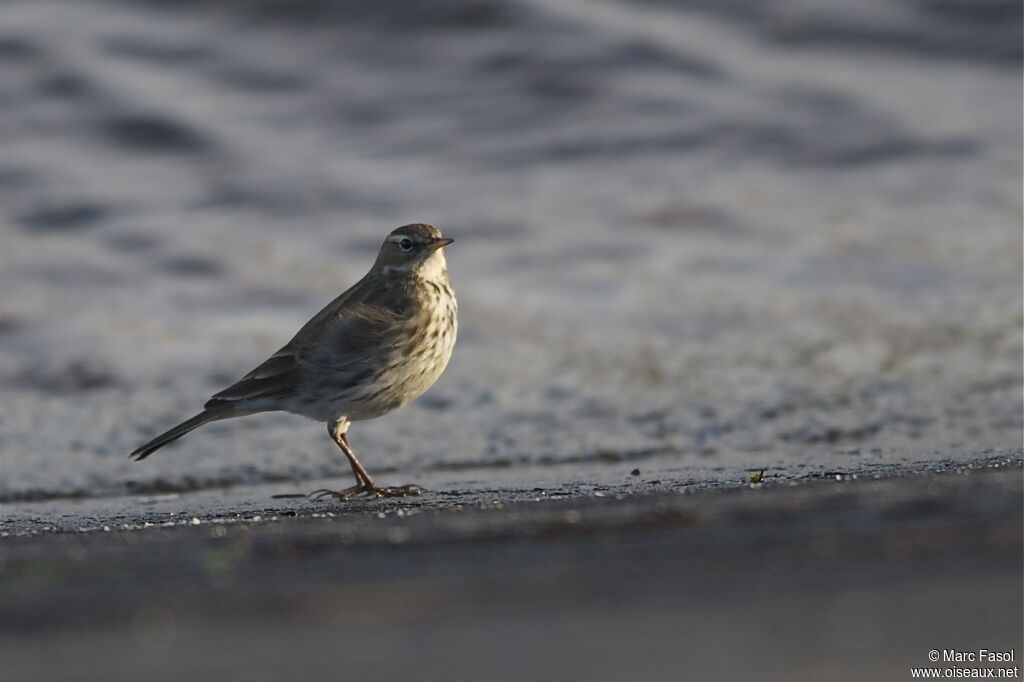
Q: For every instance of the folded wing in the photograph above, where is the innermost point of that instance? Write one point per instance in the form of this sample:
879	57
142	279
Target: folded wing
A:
347	328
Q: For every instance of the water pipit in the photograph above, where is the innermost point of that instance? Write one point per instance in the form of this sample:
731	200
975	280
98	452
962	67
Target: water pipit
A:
372	350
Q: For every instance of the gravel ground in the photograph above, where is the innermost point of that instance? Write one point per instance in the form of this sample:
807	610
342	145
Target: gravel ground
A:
824	580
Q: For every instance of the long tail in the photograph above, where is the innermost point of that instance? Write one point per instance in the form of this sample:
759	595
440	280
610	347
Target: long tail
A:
180	430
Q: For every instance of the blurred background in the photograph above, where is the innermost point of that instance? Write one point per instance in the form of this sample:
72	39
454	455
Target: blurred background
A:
696	238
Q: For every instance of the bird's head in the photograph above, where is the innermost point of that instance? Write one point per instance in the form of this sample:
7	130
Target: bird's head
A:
411	248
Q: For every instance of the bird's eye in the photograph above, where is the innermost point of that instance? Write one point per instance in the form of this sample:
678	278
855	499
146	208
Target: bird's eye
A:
405	245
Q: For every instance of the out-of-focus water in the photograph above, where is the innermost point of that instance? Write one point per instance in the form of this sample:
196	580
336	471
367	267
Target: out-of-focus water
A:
691	236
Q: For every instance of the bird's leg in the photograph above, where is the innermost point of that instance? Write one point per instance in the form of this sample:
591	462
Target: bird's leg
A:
368	486
364	484
358	470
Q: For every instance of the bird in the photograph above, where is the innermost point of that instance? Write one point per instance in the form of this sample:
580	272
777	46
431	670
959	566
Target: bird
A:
370	351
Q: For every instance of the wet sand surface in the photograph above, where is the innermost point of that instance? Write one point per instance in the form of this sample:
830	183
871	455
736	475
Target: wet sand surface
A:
823	580
719	236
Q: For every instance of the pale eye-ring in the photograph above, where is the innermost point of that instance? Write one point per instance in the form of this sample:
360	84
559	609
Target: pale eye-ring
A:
405	244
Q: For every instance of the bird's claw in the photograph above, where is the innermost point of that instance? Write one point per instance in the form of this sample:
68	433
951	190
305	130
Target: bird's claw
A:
340	495
397	491
368	490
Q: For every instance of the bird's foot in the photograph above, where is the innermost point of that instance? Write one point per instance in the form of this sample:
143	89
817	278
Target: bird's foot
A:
339	495
397	491
368	490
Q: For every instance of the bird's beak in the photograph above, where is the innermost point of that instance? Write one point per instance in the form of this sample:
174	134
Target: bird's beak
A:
439	244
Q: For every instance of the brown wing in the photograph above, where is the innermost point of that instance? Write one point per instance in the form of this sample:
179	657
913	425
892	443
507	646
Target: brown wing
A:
347	328
275	378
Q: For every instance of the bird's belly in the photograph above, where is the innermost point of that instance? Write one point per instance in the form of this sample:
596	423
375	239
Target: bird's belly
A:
397	386
404	373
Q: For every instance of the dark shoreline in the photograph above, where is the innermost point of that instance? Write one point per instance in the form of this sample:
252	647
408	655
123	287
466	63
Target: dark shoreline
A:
851	579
